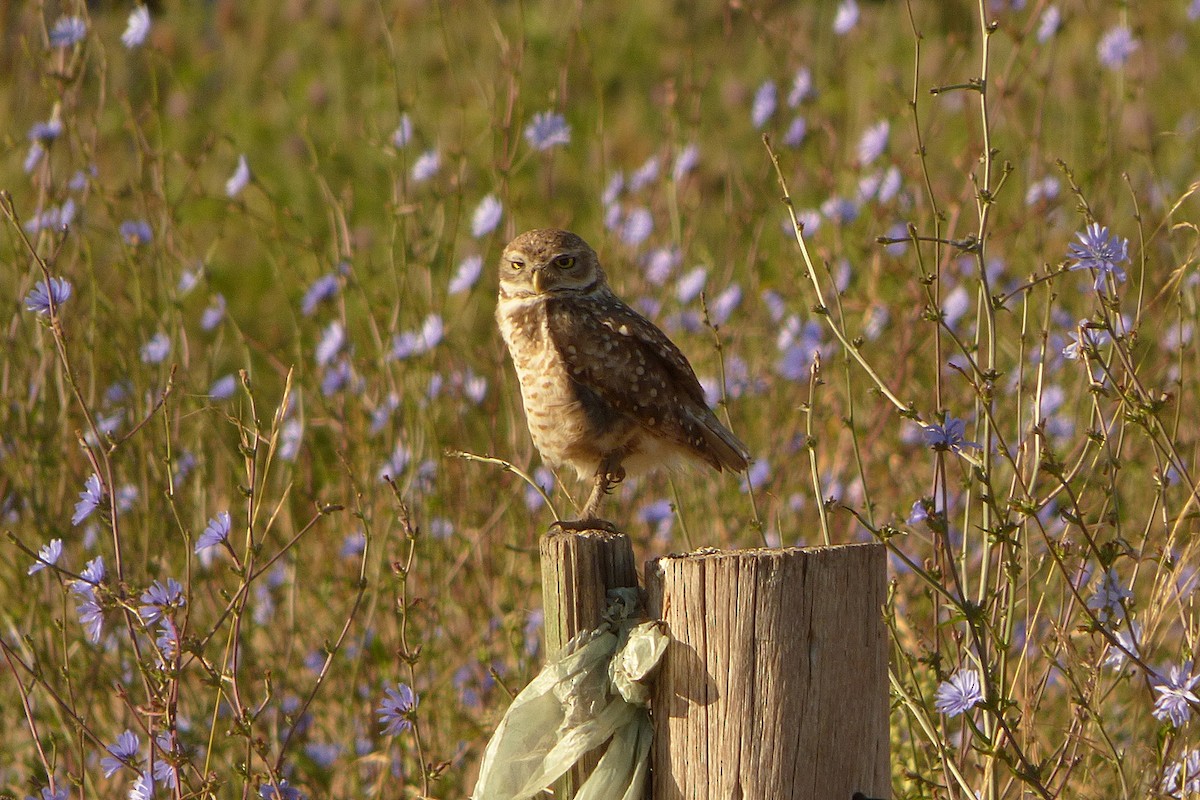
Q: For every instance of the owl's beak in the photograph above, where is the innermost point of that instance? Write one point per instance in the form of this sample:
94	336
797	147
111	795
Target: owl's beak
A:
539	278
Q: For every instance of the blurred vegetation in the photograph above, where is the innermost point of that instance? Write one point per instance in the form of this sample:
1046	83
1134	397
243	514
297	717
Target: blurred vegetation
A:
444	596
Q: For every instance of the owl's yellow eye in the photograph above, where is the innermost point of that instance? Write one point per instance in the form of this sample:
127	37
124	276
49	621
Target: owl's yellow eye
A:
564	262
517	264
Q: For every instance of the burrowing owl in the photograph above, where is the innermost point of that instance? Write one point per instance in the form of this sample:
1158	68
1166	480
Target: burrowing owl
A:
604	390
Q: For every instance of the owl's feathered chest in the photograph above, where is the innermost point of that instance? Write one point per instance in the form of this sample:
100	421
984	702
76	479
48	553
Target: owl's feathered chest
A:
567	422
524	325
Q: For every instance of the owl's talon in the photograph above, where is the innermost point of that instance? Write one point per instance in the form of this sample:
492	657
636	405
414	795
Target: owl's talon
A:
580	525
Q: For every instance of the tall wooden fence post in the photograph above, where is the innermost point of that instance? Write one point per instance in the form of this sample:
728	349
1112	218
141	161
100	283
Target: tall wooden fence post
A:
578	569
775	684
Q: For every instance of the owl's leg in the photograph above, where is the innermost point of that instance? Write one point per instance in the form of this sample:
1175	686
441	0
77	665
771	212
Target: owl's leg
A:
608	475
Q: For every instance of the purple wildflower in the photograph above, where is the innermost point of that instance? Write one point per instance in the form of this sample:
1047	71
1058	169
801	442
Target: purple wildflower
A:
322	289
1176	695
1109	598
47	556
685	161
122	753
846	17
403	133
216	532
839	210
156	349
89	499
794	136
535	621
920	511
763	107
1182	778
873	141
468	272
724	304
644	175
1048	25
68	31
950	436
613	189
213	315
43	294
334	379
690	285
756	476
1085	337
223	388
164	772
487	216
136	28
136	232
1116	46
54	218
160	599
91	577
1119	653
395	712
91	617
1041	191
959	694
638	226
188	280
32	159
414	343
331	344
544	478
46	132
1099	252
547	129
661	263
240	178
802	87
426	166
396	463
281	791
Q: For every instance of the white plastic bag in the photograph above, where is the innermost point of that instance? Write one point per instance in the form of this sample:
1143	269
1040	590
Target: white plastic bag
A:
588	695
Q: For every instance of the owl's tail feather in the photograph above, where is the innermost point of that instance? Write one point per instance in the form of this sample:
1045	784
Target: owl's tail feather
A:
725	450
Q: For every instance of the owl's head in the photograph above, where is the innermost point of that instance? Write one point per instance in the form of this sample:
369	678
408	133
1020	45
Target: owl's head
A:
548	261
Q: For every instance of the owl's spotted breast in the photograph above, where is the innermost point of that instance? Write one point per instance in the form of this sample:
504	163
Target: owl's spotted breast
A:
567	423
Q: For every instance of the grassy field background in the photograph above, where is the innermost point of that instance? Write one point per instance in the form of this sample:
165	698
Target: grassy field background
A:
274	344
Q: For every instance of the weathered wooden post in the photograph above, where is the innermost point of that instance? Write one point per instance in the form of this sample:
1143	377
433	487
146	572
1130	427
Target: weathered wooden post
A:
774	685
578	569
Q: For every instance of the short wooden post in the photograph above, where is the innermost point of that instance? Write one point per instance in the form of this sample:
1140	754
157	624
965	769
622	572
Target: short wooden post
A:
775	684
578	569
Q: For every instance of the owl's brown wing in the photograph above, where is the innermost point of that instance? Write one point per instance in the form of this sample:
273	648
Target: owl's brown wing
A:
631	368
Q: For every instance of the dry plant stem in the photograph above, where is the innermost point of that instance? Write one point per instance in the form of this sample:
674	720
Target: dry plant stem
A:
103	465
508	467
852	424
331	652
408	653
814	381
931	196
684	533
10	656
822	308
978	643
28	711
719	346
